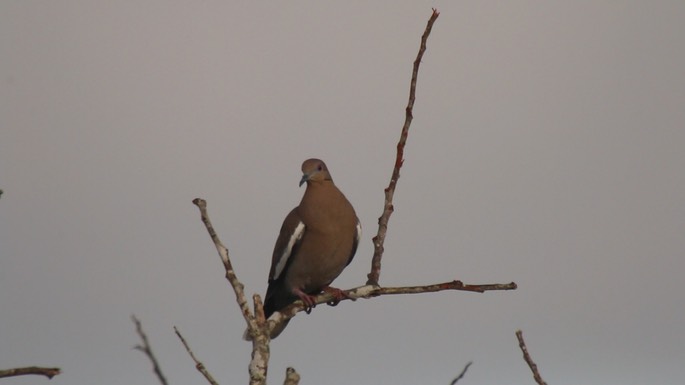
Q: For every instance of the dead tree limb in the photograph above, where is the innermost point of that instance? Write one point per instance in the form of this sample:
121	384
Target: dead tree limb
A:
528	359
37	370
388	207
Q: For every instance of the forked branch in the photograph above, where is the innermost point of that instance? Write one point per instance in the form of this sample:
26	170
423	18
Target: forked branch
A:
147	350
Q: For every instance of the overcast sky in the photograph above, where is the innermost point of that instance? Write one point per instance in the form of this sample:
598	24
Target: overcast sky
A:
547	148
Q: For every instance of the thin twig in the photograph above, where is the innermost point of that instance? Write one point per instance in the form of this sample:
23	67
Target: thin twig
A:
459	377
145	348
369	291
198	365
452	285
291	377
528	359
388	207
37	370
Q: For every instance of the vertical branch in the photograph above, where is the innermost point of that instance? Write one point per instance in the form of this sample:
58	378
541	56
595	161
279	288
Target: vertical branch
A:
528	359
388	208
261	352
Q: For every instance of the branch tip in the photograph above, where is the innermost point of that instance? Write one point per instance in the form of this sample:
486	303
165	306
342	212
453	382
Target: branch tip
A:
526	356
375	273
199	202
291	377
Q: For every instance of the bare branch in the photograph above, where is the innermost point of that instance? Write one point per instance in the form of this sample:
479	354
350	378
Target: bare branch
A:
388	207
238	287
528	359
145	348
37	370
255	324
461	375
369	291
452	285
291	377
198	365
261	352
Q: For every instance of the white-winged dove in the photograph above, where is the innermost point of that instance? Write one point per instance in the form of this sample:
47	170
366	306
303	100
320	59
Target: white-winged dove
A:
317	241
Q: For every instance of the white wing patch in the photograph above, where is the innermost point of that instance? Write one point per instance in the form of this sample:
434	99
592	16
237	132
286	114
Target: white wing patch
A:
287	253
358	236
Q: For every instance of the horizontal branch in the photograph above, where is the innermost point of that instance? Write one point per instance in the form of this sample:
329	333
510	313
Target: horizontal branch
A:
47	372
370	291
452	285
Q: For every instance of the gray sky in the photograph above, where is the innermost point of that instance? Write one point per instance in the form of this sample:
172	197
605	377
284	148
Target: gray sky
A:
547	149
